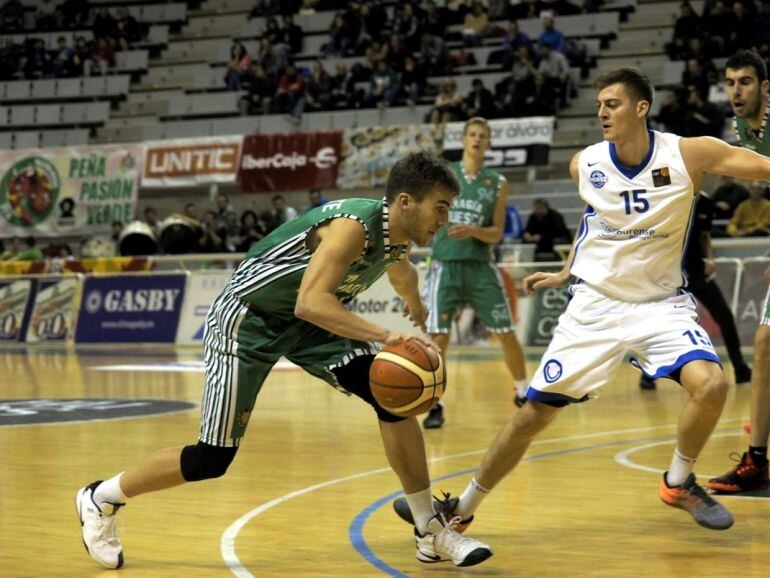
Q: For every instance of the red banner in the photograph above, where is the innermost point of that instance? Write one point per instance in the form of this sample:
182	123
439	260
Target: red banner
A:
289	162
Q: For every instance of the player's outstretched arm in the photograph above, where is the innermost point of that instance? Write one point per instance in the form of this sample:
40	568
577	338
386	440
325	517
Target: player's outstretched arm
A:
707	154
405	280
492	234
338	244
541	280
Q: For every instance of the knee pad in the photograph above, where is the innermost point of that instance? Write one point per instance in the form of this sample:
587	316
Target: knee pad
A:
204	461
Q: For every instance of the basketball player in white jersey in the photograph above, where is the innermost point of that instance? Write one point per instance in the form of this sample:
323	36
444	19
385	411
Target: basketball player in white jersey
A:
639	187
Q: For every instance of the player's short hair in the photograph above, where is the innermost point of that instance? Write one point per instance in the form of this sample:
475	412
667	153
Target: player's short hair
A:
748	59
418	174
635	81
477	120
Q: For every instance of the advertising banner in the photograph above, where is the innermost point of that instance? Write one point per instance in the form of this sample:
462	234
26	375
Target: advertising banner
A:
751	300
515	141
369	153
74	190
14	299
289	162
130	308
202	288
546	307
184	162
53	310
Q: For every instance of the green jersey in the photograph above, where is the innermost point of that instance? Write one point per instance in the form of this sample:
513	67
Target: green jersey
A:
268	278
750	139
474	206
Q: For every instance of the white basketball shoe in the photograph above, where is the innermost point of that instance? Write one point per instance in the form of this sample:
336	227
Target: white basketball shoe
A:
100	537
442	542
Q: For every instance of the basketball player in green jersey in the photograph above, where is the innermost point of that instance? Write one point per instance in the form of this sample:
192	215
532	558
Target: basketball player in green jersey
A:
286	298
747	87
462	269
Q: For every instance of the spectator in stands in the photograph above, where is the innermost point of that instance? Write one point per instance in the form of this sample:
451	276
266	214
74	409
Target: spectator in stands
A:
397	52
291	93
550	36
480	101
104	55
375	52
342	87
191	212
251	231
407	26
508	98
279	213
104	25
435	19
10	57
315	200
261	89
433	55
264	8
226	214
63	59
22	250
752	216
12	16
341	40
673	111
319	87
475	25
38	61
687	26
374	18
512	41
84	57
727	196
555	69
746	27
697	75
383	88
411	82
269	58
47	16
703	118
448	104
514	228
213	237
74	13
546	227
240	62
537	97
523	68
128	30
152	221
719	29
292	34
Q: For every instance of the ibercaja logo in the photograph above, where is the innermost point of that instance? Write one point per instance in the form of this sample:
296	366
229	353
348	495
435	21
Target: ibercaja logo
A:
29	191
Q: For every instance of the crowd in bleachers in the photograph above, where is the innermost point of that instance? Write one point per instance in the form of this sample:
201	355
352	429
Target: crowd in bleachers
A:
407	53
91	53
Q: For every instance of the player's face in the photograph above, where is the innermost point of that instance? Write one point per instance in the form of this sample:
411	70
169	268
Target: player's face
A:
427	216
745	91
618	113
476	141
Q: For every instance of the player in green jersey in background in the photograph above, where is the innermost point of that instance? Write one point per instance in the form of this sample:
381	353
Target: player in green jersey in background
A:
747	87
462	269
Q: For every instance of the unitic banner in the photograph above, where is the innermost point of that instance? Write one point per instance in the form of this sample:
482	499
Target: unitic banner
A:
184	162
130	308
74	190
289	162
369	153
202	288
53	310
14	300
515	141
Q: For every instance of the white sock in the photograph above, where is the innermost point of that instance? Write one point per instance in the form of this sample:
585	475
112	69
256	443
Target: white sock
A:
472	497
521	386
421	505
681	467
109	491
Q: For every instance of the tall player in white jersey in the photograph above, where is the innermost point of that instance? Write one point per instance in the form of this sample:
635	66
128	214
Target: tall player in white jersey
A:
639	187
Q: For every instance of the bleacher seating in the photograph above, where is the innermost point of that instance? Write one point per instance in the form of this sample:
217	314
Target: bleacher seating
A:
46	89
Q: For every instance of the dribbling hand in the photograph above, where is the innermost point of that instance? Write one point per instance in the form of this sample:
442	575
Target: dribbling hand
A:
541	280
417	315
394	338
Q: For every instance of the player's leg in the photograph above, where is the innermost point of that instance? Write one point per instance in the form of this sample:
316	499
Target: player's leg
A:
441	295
232	384
751	472
487	295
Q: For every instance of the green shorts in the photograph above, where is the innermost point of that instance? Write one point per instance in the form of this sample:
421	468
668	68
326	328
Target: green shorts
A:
766	313
241	346
476	283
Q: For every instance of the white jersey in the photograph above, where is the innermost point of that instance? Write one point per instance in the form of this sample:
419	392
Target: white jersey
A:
632	237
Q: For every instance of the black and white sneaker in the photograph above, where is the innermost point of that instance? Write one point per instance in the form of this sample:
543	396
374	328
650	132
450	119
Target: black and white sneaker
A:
442	542
100	537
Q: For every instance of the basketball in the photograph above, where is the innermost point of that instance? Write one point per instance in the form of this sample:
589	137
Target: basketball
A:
407	378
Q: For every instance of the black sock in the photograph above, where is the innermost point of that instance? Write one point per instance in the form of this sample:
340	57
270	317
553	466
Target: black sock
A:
758	454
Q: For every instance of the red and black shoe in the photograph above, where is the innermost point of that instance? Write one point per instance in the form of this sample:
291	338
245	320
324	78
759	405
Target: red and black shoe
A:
746	476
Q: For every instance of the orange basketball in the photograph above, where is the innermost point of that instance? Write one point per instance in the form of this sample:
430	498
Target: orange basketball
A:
407	378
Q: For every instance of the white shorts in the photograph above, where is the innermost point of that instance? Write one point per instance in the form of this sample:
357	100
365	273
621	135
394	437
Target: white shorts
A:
595	334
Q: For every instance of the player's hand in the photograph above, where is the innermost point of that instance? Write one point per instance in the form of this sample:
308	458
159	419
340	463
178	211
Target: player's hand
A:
460	231
709	268
394	338
417	315
541	280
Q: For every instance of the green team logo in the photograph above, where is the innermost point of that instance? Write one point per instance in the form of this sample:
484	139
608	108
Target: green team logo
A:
29	191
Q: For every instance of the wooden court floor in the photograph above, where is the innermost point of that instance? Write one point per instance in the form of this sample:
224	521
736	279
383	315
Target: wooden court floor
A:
309	492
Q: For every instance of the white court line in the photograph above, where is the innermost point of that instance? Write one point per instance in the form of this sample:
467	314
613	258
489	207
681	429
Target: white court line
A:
227	542
178	366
